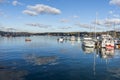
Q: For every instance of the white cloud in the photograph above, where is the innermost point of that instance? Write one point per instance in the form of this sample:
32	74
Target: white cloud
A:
64	20
15	3
116	15
115	2
75	16
38	25
98	22
4	28
64	28
114	21
31	13
87	26
111	12
108	22
83	25
41	9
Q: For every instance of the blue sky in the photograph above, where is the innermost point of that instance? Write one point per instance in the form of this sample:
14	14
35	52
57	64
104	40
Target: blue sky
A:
58	15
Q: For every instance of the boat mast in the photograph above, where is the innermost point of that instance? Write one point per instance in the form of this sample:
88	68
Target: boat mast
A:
114	31
95	25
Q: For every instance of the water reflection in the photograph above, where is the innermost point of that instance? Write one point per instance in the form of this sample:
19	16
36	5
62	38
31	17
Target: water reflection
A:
40	60
12	74
106	53
115	72
72	43
73	64
88	49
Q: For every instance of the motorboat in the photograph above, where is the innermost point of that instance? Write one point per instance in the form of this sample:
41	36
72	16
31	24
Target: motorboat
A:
61	39
88	42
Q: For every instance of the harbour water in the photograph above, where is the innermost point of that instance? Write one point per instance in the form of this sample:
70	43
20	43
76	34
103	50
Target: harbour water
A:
44	58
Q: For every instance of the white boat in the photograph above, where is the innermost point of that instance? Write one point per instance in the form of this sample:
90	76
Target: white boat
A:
60	39
88	42
72	38
87	38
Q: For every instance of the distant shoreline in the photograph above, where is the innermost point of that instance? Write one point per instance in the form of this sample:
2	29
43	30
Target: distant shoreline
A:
18	34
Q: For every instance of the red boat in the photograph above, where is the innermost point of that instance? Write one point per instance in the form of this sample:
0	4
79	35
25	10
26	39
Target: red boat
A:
109	47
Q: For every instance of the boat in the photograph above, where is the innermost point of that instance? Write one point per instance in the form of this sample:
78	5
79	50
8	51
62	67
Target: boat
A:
107	41
110	44
27	39
72	38
88	42
61	39
117	43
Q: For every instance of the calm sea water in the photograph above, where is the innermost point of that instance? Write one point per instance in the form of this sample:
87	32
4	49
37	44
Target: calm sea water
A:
46	59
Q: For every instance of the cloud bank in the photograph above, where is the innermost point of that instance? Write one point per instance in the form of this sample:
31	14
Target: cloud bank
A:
64	20
15	3
38	25
41	9
108	22
115	2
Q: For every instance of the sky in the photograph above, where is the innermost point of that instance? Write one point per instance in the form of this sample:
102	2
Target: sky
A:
59	15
